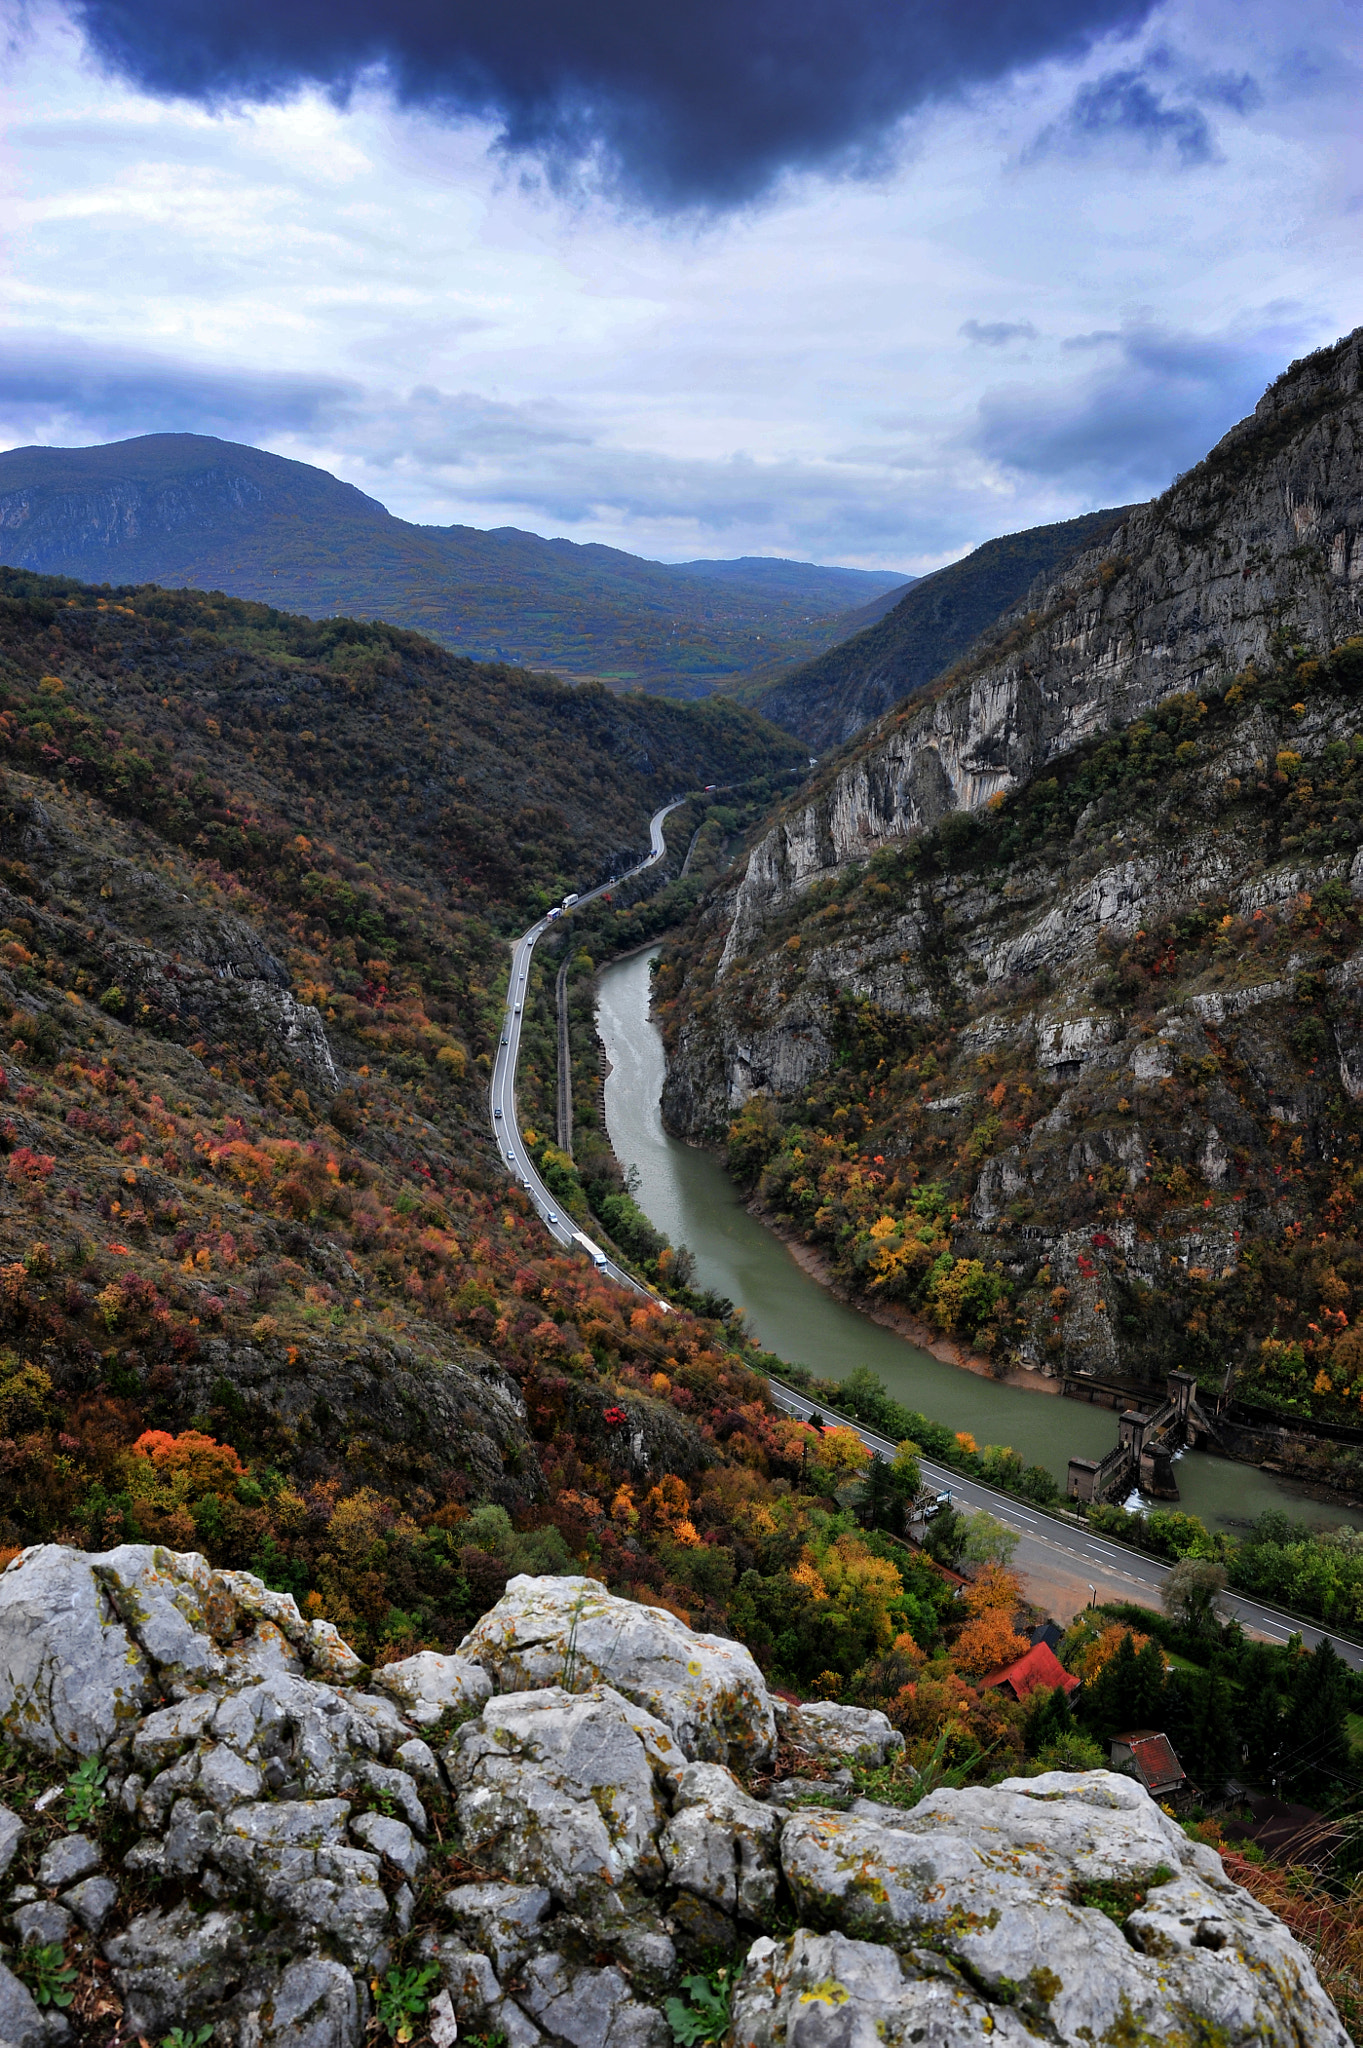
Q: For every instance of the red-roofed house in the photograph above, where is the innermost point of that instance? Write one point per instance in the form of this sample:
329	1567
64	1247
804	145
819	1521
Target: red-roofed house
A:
1146	1755
1040	1666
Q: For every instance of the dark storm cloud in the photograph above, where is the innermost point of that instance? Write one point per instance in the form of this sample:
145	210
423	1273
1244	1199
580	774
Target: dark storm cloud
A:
680	106
996	333
1154	409
1125	105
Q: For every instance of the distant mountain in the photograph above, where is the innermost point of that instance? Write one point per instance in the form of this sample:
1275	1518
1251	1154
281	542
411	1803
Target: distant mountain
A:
187	510
800	580
906	644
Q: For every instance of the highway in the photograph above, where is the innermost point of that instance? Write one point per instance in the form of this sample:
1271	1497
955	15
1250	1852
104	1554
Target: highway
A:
505	1123
1053	1550
1053	1556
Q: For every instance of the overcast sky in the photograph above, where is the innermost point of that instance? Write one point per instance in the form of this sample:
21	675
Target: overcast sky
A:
836	279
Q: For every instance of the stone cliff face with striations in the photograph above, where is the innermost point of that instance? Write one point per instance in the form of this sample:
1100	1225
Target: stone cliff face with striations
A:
1077	941
831	698
1260	546
271	1834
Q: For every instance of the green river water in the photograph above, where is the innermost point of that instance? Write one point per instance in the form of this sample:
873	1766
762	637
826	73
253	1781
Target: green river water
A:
686	1192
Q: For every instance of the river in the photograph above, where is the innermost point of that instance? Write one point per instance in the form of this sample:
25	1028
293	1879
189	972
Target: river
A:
686	1192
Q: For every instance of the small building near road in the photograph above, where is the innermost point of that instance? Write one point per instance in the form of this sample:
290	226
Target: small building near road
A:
1148	1756
1040	1667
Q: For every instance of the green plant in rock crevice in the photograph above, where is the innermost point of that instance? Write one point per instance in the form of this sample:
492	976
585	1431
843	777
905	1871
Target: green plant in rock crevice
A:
705	2017
402	1997
43	1967
85	1792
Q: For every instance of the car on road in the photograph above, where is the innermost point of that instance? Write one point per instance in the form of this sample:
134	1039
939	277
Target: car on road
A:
505	1039
551	1217
497	1113
518	1009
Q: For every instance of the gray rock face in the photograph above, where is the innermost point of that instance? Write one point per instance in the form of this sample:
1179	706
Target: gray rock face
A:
589	2008
839	1734
565	1790
987	1880
721	1845
1204	568
816	1989
71	1678
502	1919
962	1917
293	1858
315	2004
169	1965
571	1632
429	1685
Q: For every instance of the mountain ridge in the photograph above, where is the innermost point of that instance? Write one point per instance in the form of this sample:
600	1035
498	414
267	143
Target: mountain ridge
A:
898	649
193	511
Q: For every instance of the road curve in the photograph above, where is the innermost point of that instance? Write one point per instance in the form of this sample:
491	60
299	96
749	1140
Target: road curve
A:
505	1123
1045	1543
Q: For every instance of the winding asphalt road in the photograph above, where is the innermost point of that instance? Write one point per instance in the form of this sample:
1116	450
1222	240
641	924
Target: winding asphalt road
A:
505	1123
1053	1556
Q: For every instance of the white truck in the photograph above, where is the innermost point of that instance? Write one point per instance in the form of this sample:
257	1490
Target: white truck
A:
569	901
593	1251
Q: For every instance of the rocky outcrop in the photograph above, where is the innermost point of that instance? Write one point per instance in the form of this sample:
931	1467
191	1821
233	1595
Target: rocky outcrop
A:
290	1827
707	1691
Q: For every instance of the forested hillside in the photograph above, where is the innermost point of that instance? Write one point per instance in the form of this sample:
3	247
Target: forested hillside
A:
185	509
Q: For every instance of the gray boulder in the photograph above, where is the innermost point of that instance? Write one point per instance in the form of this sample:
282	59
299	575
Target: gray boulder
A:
71	1676
11	1834
565	1790
721	1845
393	1839
21	2023
92	1901
817	1990
314	2003
171	1967
589	2008
66	1859
429	1685
571	1632
503	1920
837	1734
292	1858
992	1881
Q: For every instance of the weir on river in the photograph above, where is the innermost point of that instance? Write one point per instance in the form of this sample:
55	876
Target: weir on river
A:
686	1192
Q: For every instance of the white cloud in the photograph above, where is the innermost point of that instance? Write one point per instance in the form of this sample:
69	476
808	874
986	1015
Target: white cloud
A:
881	372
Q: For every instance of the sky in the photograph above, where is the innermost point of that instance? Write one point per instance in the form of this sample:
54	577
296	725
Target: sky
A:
842	280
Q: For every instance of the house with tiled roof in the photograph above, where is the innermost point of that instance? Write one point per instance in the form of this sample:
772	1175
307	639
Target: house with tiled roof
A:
1040	1667
1143	1753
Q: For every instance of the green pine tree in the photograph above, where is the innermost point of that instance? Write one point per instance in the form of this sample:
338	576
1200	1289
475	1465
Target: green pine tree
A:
1211	1748
1314	1758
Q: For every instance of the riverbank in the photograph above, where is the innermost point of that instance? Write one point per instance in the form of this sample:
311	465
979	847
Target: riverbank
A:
812	1261
686	1193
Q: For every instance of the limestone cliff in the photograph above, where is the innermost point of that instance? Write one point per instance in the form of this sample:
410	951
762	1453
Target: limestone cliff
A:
1256	549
